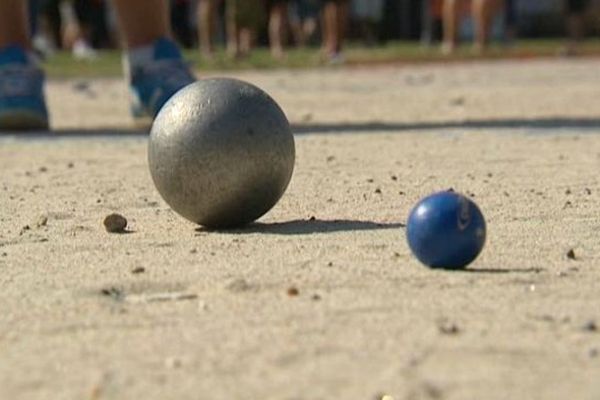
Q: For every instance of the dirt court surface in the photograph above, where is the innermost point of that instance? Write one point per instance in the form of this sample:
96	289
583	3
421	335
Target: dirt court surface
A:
321	299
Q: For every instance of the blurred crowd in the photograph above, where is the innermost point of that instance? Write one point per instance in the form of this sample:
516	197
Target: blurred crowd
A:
83	26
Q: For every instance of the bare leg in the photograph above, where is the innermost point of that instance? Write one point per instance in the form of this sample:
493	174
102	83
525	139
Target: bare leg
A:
277	27
233	31
480	11
329	23
142	21
246	41
341	25
14	26
575	27
574	32
483	14
206	17
451	22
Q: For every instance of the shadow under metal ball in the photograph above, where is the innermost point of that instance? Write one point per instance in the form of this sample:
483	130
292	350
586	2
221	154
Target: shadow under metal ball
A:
221	153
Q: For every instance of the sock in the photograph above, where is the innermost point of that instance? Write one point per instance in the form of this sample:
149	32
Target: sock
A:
140	55
160	49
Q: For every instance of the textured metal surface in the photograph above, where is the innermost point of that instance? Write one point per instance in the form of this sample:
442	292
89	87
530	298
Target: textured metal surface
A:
221	153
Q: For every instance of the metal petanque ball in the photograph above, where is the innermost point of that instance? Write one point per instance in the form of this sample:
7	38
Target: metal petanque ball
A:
221	153
446	230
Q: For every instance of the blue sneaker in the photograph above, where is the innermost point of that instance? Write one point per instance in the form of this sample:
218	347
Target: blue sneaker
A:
22	104
154	82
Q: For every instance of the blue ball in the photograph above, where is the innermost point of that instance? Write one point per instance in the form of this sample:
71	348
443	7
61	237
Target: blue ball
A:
446	230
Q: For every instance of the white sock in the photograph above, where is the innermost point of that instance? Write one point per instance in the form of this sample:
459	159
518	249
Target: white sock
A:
140	55
136	57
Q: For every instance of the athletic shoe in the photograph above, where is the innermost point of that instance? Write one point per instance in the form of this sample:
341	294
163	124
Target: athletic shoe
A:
22	104
154	82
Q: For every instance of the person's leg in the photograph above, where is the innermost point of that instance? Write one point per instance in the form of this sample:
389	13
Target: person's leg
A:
450	25
22	104
484	12
480	11
51	21
329	28
153	63
82	45
142	21
232	28
574	25
206	19
246	41
342	11
14	25
277	27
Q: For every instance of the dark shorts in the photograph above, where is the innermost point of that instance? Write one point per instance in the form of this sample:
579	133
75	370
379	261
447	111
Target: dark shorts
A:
576	6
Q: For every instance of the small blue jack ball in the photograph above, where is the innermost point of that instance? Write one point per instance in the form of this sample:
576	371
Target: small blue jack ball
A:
446	230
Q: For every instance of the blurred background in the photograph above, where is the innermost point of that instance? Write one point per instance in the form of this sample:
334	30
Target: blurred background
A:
219	30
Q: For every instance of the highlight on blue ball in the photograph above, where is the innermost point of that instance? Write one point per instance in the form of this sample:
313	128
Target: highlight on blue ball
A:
446	230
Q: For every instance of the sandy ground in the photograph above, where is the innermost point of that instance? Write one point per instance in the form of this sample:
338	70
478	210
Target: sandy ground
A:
169	312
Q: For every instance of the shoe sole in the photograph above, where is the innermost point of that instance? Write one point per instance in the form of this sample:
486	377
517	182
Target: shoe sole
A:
22	120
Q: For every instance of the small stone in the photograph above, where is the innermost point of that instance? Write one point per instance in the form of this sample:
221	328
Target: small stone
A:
394	177
70	165
112	292
293	291
571	254
316	297
41	221
378	191
115	223
193	251
43	169
138	270
590	326
447	328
